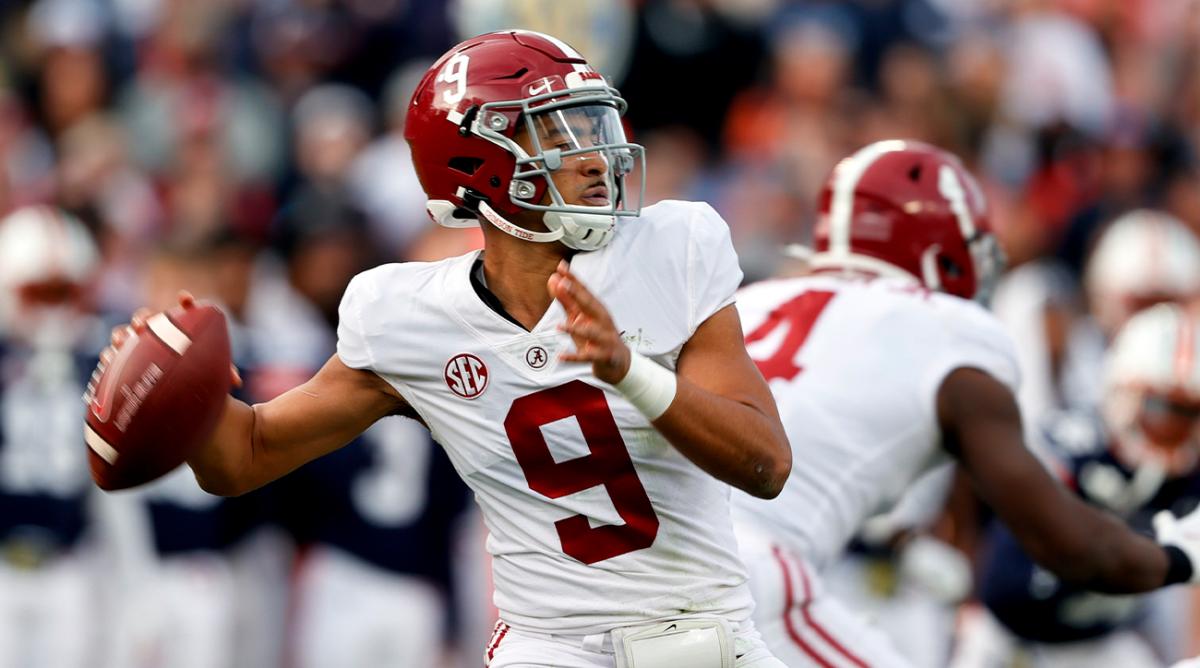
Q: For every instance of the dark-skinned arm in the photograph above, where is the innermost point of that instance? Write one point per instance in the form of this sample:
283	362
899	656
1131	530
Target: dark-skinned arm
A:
1083	545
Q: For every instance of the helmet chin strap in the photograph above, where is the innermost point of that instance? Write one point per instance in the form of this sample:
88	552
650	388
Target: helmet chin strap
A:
591	232
582	231
501	223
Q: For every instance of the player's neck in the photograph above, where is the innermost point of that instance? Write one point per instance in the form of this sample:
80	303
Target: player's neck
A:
516	272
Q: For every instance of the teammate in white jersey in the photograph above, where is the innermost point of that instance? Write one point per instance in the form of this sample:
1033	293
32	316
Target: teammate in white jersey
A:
884	365
598	438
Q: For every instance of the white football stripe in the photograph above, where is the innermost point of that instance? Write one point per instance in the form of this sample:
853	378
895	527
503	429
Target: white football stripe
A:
567	51
171	335
846	178
563	46
100	446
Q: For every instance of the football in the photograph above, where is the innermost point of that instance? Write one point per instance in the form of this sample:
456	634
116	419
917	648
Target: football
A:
159	398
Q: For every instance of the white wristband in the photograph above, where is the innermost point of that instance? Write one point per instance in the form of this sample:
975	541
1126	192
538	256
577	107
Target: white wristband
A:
648	386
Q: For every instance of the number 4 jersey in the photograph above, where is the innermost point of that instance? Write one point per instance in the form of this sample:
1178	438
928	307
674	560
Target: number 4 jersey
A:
855	367
595	520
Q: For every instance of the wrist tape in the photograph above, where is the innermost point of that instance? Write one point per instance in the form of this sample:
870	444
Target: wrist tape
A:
648	386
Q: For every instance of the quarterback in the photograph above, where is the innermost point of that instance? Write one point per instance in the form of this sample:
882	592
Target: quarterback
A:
881	359
586	372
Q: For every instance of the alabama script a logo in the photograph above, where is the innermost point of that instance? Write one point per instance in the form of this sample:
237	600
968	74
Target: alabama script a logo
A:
466	375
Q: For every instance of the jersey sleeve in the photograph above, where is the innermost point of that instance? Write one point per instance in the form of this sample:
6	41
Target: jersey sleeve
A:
971	339
713	273
353	346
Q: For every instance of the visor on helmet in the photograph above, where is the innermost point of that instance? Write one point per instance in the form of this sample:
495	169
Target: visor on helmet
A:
561	132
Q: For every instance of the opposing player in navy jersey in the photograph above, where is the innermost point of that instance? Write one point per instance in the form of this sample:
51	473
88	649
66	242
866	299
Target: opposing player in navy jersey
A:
376	522
187	596
1139	458
585	373
48	593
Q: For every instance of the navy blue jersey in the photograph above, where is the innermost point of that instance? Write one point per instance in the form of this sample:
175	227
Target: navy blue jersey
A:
44	478
391	497
1032	602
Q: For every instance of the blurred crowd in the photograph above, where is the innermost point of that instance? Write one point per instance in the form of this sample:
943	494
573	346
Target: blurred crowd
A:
251	151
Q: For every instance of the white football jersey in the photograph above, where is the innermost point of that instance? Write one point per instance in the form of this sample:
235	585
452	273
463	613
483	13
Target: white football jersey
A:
855	366
595	520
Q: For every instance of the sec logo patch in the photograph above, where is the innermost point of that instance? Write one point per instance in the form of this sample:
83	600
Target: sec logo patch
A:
466	375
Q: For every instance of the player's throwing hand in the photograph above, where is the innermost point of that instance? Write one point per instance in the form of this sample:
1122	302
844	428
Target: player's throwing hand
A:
137	325
596	338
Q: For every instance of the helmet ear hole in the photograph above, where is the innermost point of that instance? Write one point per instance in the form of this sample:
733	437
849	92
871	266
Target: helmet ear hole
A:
465	165
949	267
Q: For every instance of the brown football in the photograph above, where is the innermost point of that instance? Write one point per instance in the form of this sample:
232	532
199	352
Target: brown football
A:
159	398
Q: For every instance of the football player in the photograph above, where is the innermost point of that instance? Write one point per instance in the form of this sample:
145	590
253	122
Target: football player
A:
1139	457
49	534
1142	258
883	362
585	373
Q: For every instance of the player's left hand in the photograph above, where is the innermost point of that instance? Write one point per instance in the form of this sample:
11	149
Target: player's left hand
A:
596	338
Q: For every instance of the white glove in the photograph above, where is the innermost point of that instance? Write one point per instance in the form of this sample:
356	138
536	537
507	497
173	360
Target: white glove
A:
1183	533
939	568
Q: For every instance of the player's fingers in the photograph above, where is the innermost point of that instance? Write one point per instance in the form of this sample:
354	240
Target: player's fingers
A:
560	290
586	328
119	335
186	300
140	316
237	377
578	292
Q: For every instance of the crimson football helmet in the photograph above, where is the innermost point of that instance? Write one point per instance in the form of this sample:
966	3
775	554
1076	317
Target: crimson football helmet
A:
474	104
905	208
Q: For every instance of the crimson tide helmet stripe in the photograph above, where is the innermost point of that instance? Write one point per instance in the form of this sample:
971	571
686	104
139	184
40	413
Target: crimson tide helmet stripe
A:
849	172
951	187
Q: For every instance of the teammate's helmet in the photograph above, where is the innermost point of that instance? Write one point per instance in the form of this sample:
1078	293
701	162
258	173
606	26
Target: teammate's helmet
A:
1142	258
1152	389
46	258
478	98
907	208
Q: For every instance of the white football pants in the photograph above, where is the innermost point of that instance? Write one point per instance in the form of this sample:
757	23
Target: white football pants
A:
800	622
352	614
48	615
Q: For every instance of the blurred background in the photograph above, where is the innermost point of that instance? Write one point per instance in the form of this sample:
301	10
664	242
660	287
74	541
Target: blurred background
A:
251	152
